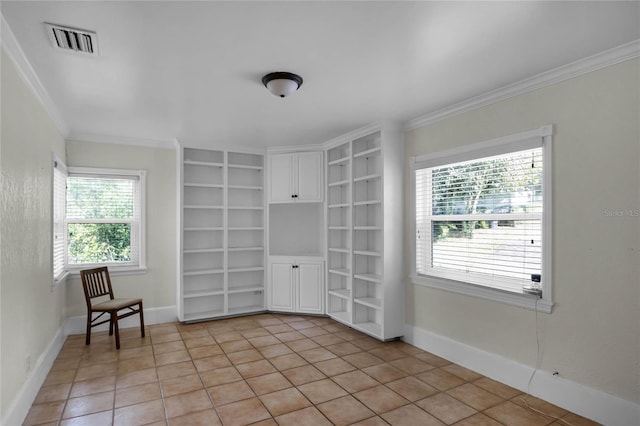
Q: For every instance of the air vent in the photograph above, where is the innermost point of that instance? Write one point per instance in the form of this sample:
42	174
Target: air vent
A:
74	39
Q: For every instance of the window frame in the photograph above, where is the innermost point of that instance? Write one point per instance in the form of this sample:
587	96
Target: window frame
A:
137	231
541	137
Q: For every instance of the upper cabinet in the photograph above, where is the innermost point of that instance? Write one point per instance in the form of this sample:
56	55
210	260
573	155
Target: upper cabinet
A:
295	177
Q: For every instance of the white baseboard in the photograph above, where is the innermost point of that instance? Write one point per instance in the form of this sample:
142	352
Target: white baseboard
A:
585	401
21	404
78	325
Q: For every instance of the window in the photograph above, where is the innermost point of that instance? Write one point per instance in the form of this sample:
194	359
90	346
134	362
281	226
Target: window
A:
104	217
58	208
481	219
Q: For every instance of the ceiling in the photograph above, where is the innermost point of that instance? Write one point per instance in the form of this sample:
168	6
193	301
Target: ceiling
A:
192	70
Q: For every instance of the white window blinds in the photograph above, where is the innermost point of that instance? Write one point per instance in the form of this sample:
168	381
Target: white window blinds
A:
59	228
103	218
480	220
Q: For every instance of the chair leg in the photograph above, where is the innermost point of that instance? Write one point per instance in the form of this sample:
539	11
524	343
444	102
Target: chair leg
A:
114	321
88	335
111	325
141	319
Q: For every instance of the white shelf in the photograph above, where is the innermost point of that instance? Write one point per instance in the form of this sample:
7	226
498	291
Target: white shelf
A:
342	293
256	248
247	289
368	177
203	272
341	316
340	271
339	161
203	293
245	208
338	206
242	166
370	302
246	228
367	253
367	228
203	207
246	269
193	316
375	150
206	250
339	250
210	228
202	163
204	185
339	183
367	202
246	309
251	188
369	277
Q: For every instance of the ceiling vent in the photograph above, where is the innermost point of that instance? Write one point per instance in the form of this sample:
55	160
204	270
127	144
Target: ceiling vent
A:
73	39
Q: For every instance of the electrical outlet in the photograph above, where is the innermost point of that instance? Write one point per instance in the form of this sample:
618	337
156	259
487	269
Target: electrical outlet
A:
28	362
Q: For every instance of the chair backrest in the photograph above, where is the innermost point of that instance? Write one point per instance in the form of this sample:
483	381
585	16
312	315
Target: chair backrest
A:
96	283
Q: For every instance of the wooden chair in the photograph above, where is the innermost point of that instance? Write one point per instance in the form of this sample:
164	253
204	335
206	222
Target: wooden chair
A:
97	284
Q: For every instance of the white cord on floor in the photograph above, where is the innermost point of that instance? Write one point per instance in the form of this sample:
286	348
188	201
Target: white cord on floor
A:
536	368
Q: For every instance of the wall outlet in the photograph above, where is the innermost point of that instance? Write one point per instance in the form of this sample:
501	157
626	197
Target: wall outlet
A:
28	362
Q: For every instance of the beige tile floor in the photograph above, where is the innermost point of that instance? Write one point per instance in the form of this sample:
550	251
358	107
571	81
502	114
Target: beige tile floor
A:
271	369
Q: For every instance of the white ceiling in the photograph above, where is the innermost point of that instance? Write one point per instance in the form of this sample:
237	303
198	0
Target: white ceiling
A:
192	70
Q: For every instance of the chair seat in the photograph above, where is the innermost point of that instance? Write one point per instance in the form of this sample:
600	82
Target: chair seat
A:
114	304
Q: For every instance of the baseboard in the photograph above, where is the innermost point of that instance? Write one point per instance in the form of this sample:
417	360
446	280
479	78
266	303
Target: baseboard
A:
21	404
585	401
77	325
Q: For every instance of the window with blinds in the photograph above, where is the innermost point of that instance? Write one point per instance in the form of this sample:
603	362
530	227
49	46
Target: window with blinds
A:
104	217
480	220
59	240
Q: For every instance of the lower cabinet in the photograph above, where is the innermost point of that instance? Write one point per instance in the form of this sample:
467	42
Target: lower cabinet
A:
296	284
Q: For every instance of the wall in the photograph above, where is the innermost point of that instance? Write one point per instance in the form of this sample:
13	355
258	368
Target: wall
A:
31	311
593	335
157	286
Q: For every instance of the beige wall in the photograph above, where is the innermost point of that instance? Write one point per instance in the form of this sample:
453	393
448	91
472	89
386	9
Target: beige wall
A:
158	285
31	312
593	335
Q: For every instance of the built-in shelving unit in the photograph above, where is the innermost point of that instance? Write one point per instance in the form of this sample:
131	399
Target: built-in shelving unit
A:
222	234
364	231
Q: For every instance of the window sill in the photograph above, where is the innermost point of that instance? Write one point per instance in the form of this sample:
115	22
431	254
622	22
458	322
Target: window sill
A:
526	301
113	271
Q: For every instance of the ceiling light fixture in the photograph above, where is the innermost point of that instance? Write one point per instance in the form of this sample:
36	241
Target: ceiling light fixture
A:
281	83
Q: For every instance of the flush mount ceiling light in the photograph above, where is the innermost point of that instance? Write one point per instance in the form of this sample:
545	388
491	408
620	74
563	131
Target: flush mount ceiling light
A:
281	83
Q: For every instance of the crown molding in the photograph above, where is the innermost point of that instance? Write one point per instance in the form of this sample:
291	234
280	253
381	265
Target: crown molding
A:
14	51
123	140
577	68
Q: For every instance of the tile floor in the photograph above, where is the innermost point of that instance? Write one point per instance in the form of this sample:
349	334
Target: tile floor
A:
270	369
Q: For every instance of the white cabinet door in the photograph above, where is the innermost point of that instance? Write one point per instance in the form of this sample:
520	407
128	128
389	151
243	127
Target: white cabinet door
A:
310	288
295	177
281	178
282	286
309	176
